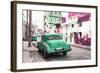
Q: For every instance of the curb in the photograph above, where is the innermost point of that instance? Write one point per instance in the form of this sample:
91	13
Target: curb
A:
82	47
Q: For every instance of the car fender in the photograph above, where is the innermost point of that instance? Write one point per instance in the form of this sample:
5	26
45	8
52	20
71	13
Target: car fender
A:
46	46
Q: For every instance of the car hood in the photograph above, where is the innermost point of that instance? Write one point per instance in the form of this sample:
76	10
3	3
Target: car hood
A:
57	44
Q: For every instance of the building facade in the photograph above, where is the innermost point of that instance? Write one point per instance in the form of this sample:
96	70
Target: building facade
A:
53	20
79	28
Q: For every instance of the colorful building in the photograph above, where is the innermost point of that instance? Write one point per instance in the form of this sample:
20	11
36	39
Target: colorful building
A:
53	20
79	28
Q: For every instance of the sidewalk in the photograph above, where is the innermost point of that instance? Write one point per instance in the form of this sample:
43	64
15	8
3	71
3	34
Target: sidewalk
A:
32	48
81	46
30	54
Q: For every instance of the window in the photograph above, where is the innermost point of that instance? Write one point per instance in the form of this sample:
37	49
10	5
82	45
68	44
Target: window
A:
57	19
51	19
44	23
54	37
80	24
80	33
44	18
72	25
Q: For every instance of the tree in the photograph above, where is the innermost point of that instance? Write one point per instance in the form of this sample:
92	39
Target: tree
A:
30	24
26	33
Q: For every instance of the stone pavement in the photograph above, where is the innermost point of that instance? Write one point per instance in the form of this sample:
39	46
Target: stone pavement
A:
31	54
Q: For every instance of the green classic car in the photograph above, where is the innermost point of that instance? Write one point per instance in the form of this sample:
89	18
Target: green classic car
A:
52	43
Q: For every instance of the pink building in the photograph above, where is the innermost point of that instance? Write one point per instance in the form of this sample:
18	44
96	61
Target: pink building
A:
79	28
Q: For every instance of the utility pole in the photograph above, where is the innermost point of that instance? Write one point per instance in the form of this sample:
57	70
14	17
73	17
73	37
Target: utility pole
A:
30	24
26	33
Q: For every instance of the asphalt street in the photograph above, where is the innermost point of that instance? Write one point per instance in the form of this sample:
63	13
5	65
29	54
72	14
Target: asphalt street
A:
75	54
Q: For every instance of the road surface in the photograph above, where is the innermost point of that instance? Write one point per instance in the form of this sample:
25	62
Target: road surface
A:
75	54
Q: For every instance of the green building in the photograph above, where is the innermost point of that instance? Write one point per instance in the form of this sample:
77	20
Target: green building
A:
52	18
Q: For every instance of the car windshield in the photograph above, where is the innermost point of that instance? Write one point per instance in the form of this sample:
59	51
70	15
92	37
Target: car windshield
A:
54	37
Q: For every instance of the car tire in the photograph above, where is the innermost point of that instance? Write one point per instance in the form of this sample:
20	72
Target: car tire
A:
45	53
64	53
39	50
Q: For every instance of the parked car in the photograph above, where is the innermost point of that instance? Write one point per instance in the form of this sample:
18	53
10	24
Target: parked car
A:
52	43
34	38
